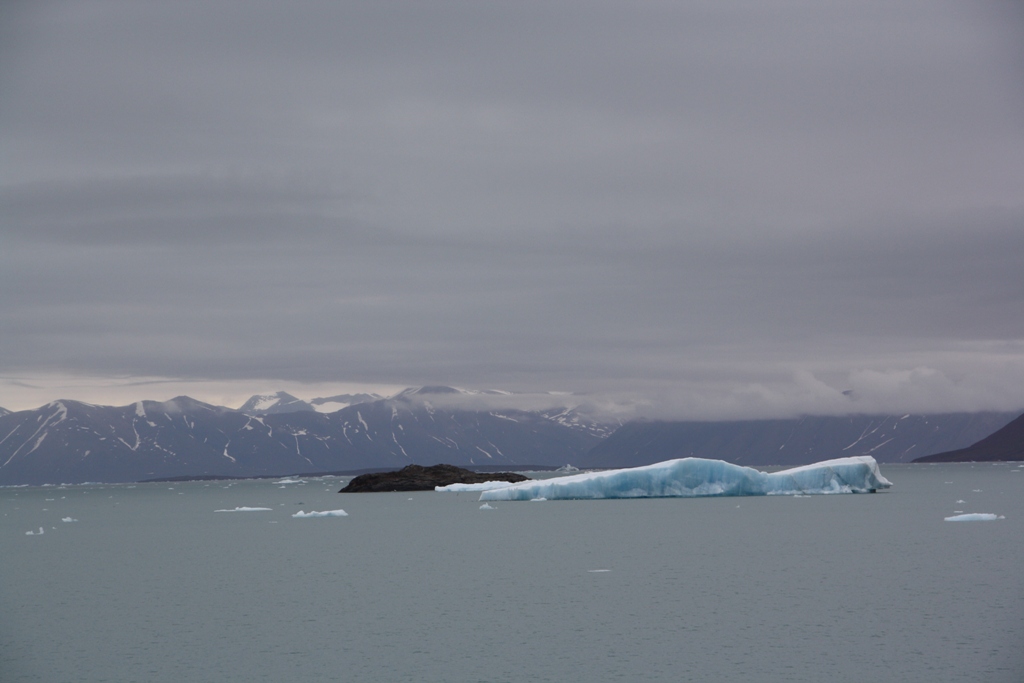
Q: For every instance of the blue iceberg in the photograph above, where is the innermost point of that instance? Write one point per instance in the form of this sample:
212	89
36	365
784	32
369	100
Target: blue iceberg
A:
695	477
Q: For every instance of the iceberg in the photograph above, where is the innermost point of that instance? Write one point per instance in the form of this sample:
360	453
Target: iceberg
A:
326	513
697	477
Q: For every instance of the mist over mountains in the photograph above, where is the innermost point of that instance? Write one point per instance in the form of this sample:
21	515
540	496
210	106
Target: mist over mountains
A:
282	402
276	434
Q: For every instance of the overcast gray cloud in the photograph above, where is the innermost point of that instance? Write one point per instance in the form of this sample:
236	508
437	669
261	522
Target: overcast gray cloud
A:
706	210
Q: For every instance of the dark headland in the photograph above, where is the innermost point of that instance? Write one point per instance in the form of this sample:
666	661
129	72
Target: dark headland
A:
1004	445
419	478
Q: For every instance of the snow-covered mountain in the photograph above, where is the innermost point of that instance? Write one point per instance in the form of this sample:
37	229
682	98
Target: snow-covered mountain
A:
71	441
273	404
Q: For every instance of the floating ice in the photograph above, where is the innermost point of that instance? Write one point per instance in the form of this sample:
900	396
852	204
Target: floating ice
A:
537	500
974	517
245	509
485	506
35	533
462	488
290	481
68	519
692	477
326	513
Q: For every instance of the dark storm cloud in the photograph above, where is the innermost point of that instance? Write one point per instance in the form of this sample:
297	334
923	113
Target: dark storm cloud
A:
710	208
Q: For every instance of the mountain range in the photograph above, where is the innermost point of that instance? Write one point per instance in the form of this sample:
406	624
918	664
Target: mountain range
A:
71	442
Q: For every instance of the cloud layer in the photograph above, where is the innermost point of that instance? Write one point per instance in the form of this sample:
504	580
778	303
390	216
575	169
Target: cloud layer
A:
741	210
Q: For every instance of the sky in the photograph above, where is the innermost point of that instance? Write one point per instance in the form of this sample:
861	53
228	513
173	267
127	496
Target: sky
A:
690	209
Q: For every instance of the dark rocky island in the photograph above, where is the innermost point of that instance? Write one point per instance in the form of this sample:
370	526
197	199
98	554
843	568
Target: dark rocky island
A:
419	478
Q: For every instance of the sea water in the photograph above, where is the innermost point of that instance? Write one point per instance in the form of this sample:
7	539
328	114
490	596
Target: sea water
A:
151	584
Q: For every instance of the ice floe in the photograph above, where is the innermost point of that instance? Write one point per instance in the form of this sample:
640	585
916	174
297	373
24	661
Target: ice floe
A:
975	517
313	513
68	519
485	506
35	533
695	477
462	488
245	509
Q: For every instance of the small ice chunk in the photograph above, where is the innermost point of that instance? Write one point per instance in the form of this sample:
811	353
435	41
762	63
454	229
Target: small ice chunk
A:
245	509
975	517
485	506
462	488
313	513
35	533
598	571
68	519
290	481
538	500
961	502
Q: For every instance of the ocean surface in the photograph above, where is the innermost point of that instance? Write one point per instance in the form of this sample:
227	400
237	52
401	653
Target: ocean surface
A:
151	584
